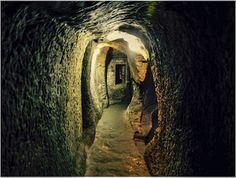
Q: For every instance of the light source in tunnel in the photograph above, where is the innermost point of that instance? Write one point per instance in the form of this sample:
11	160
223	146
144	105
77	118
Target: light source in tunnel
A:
126	43
134	43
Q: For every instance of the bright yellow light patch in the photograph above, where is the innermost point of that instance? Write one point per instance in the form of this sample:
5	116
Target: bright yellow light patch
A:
134	43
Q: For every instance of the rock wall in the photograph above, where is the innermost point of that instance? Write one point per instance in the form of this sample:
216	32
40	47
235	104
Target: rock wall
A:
98	85
41	98
90	111
193	73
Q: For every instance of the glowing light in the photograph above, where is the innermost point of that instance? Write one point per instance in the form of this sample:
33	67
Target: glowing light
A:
134	43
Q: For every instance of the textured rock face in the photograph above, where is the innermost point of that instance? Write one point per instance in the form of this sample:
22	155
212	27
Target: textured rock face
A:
41	104
194	85
48	110
97	77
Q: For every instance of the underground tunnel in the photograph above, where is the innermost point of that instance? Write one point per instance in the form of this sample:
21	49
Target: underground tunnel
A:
117	88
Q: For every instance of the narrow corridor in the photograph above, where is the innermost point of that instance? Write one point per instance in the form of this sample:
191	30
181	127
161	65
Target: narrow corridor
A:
113	152
64	62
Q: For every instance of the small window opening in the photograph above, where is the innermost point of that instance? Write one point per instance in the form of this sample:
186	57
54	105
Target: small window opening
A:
120	73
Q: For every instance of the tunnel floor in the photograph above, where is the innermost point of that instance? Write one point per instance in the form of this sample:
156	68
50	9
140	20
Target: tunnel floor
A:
113	152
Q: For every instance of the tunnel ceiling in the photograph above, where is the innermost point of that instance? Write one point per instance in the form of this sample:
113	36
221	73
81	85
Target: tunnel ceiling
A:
99	17
103	20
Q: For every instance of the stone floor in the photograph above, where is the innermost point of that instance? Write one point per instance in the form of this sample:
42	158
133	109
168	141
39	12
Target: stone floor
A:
113	152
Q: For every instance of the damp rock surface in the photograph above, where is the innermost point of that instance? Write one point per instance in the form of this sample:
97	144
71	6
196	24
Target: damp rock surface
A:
113	152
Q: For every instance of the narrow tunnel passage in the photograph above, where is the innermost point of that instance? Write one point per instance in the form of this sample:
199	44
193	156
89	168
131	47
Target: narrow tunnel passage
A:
67	67
113	152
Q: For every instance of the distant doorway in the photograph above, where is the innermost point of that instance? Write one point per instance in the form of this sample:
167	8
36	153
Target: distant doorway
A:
120	74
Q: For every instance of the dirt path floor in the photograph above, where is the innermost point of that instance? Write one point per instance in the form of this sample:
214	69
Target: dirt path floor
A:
113	152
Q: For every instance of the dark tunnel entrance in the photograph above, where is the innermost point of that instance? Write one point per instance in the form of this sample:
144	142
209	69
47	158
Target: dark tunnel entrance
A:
120	73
